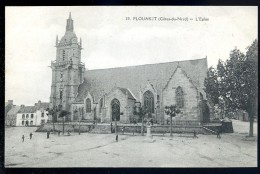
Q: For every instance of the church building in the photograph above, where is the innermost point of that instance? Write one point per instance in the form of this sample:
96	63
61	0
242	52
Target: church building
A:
108	94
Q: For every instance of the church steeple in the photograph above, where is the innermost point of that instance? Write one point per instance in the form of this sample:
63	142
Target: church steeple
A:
69	26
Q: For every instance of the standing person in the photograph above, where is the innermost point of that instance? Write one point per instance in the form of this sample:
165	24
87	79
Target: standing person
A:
116	138
23	138
58	132
111	125
31	135
218	134
48	134
194	134
123	129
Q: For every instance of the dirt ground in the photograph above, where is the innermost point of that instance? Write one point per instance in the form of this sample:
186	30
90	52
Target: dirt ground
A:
101	150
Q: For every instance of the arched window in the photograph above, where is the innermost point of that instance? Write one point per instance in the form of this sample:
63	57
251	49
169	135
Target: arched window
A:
31	123
115	107
22	122
27	115
100	105
88	105
179	97
149	101
23	116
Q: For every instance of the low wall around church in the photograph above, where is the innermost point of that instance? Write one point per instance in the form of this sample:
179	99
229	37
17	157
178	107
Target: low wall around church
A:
128	128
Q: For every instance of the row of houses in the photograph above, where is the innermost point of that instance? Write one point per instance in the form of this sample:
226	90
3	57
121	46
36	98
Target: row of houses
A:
26	115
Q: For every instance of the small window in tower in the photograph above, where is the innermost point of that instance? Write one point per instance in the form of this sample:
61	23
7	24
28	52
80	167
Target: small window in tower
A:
60	95
63	55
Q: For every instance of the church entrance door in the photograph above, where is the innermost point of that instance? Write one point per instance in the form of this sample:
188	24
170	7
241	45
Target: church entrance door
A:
115	105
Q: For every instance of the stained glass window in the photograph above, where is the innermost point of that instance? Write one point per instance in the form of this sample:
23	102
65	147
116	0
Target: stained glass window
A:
179	97
149	101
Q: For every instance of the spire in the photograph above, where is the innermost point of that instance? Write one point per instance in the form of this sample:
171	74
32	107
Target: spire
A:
57	41
69	26
80	42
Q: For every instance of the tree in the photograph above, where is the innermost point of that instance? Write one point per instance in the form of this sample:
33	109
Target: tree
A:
63	114
211	84
172	111
140	111
53	112
251	82
236	85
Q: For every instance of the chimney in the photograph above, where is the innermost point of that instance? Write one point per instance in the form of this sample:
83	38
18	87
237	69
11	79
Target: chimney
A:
10	102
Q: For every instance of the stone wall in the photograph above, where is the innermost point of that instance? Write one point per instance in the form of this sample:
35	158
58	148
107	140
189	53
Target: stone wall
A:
106	128
125	106
190	110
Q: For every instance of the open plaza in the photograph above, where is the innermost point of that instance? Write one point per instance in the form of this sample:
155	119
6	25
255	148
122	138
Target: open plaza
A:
101	150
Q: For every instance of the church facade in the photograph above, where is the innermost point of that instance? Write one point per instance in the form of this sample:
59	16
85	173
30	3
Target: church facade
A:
108	94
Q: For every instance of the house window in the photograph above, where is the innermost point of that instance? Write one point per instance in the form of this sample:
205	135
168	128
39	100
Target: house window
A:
100	105
42	114
27	115
31	123
22	122
23	116
42	121
88	105
179	97
149	101
31	115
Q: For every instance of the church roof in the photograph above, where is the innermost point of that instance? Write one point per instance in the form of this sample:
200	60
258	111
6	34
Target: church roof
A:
101	81
127	92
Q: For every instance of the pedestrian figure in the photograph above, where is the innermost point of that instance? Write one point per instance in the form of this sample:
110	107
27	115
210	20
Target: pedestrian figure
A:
23	138
151	121
194	134
116	138
218	134
58	133
134	121
68	132
123	129
31	135
48	134
167	121
111	125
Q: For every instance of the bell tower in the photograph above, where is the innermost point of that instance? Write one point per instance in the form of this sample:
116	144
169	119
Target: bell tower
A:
67	69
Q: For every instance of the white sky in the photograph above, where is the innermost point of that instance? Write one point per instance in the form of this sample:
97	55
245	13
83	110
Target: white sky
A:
111	41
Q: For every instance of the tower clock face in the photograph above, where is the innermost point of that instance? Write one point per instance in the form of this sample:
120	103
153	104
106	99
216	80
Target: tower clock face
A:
74	40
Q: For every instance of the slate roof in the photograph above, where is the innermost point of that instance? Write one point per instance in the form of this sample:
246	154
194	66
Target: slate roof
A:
14	110
43	105
28	109
101	81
